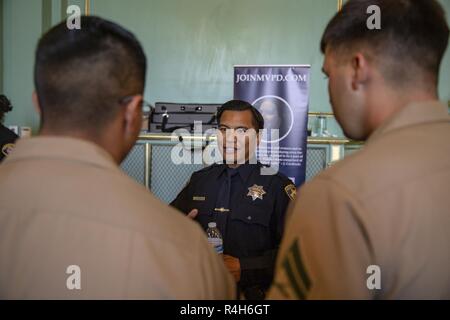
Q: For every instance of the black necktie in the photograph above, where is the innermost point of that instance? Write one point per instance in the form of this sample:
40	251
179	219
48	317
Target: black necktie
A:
223	199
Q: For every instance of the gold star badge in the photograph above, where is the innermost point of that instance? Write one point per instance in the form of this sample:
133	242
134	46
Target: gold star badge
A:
256	192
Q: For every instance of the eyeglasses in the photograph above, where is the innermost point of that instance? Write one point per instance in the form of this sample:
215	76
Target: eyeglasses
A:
146	106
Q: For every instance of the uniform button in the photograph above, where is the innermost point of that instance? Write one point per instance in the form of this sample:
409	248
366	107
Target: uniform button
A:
249	218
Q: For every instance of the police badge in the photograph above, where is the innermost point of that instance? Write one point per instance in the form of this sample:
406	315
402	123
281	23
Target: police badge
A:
256	192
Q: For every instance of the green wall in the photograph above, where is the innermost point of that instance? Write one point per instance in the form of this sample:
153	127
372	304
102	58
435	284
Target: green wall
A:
1	46
191	45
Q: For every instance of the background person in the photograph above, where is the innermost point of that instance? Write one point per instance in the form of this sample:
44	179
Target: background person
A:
7	137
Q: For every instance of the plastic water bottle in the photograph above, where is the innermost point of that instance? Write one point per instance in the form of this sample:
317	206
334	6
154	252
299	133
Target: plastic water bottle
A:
214	237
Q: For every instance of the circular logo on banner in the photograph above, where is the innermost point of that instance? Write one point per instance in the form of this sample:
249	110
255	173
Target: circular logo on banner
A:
273	109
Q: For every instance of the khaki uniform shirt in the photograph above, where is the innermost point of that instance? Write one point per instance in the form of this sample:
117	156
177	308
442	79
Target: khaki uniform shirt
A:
70	218
376	224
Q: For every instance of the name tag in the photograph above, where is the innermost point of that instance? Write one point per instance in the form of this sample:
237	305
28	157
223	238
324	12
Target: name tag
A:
196	198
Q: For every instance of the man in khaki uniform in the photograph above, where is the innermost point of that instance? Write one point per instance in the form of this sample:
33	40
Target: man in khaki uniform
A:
72	224
377	224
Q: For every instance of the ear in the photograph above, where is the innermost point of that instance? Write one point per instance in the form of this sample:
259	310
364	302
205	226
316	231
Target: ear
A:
360	70
133	115
37	106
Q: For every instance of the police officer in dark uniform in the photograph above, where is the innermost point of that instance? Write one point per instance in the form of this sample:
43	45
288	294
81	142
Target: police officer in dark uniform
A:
7	137
247	204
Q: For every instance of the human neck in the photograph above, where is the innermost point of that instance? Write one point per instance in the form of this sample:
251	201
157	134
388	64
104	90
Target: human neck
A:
100	140
383	107
250	160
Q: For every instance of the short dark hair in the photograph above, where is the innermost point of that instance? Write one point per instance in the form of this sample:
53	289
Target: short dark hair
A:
5	106
240	105
81	74
415	30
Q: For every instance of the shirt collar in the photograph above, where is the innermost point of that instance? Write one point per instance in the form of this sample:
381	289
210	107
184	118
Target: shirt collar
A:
244	170
63	148
413	114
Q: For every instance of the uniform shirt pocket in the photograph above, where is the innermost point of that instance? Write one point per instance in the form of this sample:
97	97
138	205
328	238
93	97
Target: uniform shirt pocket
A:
249	230
252	214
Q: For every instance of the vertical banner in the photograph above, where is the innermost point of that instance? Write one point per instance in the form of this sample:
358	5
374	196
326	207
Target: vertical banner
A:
281	94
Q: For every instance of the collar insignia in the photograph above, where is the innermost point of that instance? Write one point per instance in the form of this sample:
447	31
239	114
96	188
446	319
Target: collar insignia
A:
7	148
